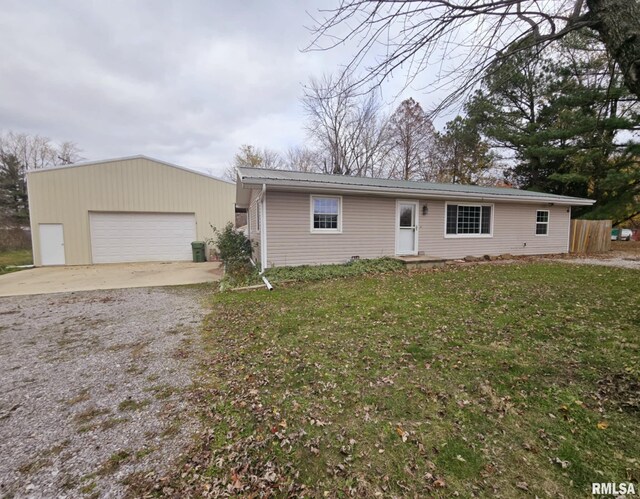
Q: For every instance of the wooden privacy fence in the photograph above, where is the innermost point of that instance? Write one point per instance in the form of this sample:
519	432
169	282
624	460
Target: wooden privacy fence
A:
590	236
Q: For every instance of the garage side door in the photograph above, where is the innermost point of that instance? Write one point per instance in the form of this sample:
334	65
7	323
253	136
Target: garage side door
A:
141	237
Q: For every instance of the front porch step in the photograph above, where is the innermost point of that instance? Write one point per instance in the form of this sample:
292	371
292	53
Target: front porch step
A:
421	261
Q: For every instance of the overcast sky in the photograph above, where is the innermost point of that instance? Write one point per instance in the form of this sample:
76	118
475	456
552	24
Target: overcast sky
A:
184	81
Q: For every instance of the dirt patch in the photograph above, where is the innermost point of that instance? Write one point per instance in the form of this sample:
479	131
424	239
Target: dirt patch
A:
91	390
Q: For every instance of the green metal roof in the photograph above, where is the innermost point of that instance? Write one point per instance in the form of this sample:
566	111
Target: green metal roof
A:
288	178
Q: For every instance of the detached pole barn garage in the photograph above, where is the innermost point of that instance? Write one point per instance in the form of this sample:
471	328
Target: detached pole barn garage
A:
133	209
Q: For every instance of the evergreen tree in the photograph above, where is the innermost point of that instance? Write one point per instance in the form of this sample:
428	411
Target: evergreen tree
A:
568	122
13	191
462	156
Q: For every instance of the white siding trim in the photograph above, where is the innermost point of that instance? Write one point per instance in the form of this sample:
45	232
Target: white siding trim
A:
416	221
263	228
325	231
34	254
548	224
469	236
569	231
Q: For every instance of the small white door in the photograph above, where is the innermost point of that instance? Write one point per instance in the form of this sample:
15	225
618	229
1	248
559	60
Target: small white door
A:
407	228
52	244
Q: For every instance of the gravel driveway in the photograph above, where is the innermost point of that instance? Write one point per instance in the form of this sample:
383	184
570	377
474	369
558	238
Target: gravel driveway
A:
92	388
627	262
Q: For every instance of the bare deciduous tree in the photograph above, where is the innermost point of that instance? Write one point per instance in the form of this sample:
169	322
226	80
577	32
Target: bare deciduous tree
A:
347	128
253	157
468	35
303	159
19	153
412	135
35	151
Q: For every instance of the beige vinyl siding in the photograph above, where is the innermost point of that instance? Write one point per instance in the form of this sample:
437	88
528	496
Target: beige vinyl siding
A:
67	195
369	230
514	231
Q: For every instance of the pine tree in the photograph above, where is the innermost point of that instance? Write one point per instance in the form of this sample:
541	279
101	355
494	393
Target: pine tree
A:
13	191
562	119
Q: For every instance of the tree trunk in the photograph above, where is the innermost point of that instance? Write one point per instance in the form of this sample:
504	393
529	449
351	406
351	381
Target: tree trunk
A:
618	22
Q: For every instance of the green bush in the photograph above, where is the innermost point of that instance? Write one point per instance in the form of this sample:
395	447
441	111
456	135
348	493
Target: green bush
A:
233	248
318	272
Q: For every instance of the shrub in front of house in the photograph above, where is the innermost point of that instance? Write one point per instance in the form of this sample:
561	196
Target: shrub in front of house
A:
234	250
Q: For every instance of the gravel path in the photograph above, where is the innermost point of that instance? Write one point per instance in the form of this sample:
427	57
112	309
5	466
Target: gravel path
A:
630	262
92	388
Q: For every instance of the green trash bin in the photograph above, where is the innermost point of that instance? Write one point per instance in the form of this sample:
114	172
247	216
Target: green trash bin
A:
197	248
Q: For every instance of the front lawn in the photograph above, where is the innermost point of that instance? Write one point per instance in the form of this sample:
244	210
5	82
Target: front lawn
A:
14	257
489	380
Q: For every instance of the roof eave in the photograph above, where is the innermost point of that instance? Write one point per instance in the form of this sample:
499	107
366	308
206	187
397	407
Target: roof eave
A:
424	194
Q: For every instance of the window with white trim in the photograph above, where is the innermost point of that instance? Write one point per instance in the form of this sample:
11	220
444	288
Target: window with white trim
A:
325	214
542	222
468	220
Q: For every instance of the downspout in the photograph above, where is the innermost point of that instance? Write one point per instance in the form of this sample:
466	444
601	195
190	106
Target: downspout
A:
264	279
569	245
263	229
263	237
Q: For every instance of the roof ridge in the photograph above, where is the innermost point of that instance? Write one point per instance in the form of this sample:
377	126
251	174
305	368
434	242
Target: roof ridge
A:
129	158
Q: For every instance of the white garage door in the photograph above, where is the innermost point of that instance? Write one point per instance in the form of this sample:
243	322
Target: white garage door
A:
140	237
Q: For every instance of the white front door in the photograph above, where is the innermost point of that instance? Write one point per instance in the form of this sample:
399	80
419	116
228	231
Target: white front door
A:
407	228
52	244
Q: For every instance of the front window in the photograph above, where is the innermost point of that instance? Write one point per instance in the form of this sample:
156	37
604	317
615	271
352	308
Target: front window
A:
542	222
468	220
325	214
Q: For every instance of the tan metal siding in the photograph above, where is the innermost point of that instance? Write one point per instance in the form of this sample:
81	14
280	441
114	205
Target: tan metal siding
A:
67	195
369	231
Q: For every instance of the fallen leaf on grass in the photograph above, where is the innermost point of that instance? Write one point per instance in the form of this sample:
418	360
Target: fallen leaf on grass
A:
403	434
563	464
523	486
602	425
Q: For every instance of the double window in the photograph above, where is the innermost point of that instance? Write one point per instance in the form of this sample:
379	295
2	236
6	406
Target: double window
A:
542	222
468	220
326	214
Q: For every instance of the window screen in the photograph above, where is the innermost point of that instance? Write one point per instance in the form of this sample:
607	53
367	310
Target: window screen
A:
325	213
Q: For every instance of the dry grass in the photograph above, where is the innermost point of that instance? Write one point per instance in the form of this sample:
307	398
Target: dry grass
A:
474	381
